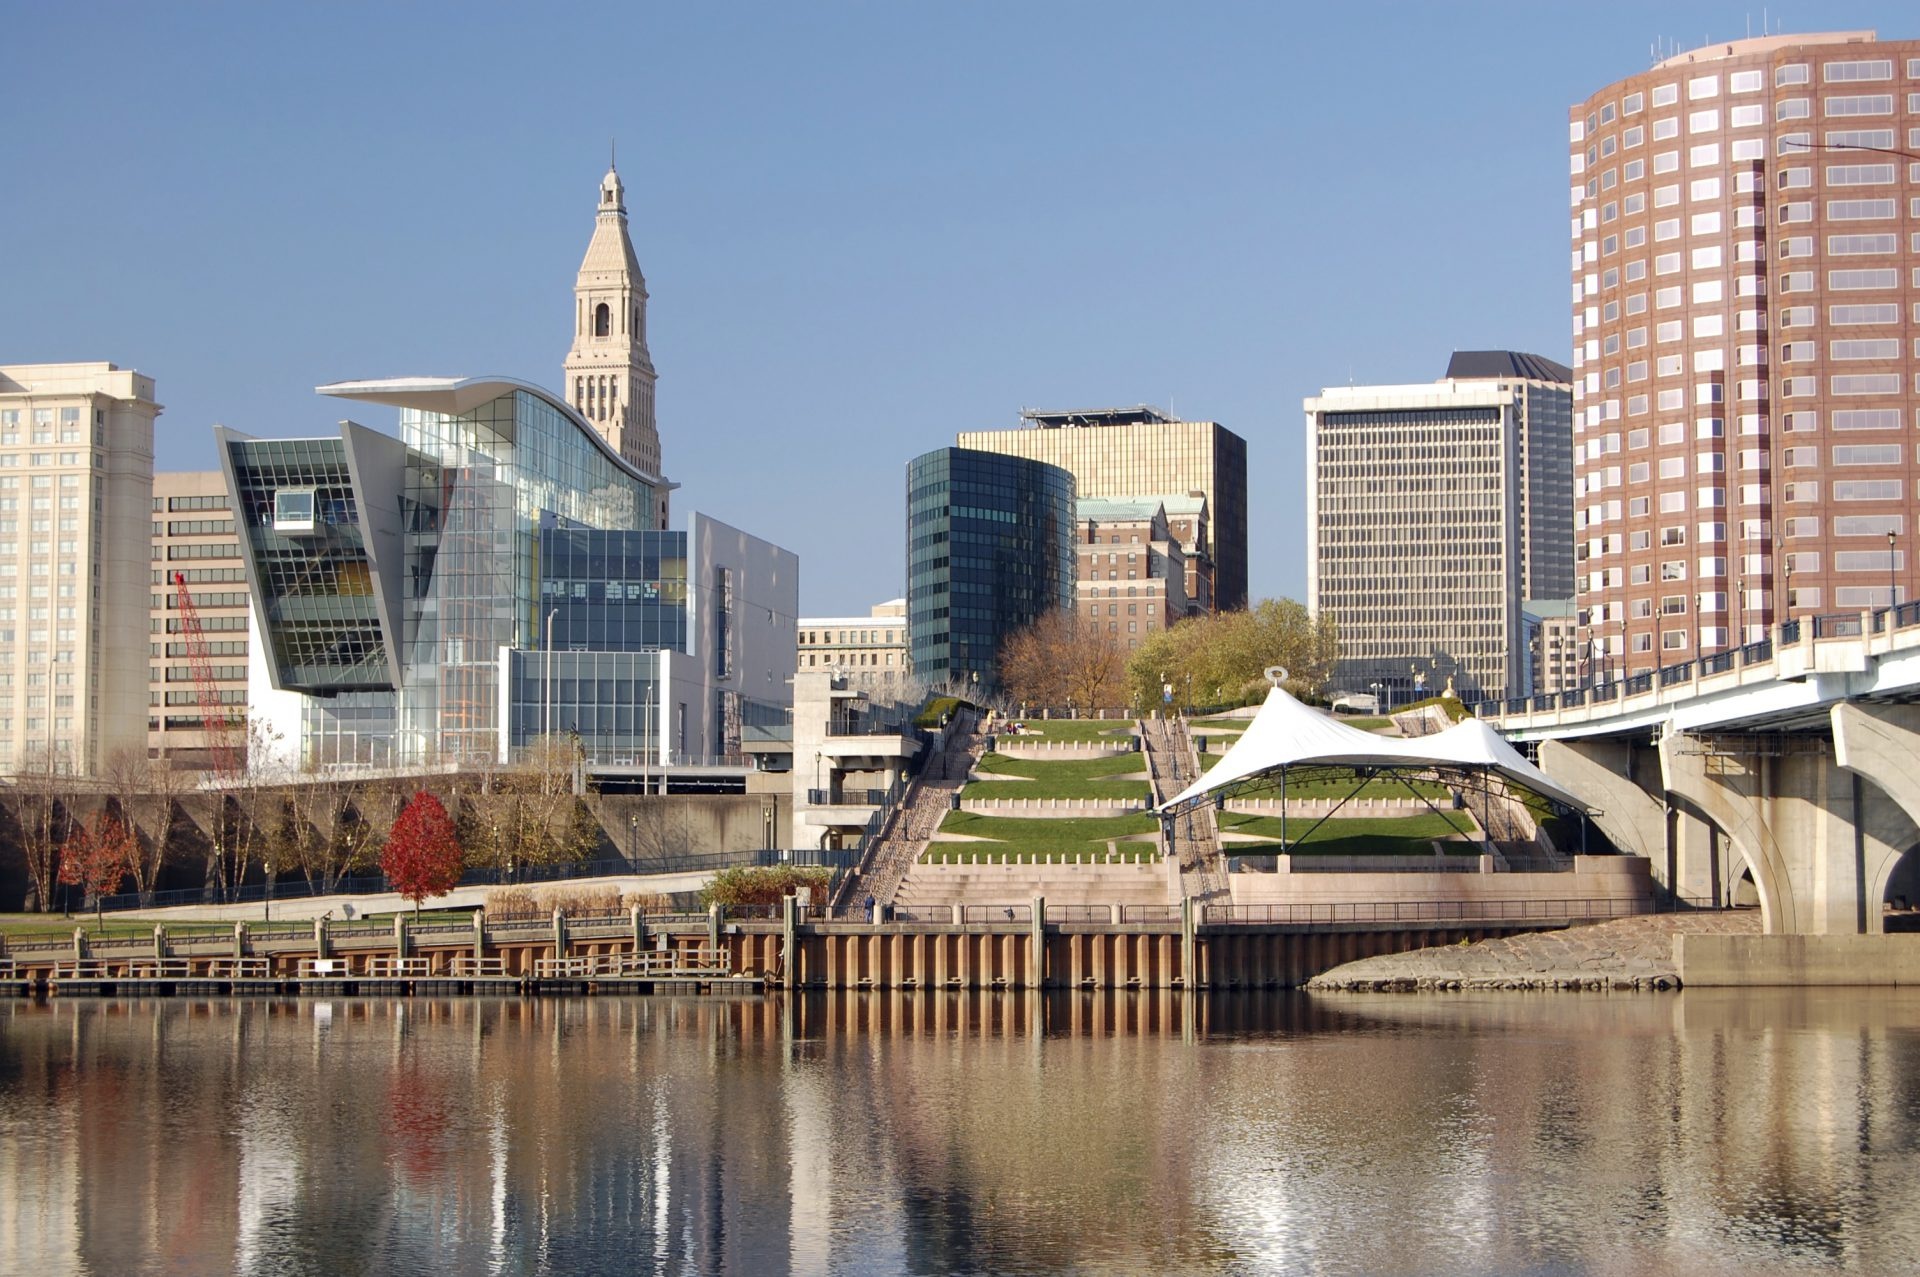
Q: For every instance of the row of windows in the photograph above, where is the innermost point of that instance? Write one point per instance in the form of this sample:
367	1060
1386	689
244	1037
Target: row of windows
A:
217	501
217	598
809	638
1839	71
199	576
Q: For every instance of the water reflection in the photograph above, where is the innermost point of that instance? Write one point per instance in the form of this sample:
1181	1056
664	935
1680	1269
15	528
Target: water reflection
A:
882	1132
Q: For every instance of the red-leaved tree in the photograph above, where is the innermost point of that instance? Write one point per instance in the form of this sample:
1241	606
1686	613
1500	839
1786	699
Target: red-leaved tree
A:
422	857
98	856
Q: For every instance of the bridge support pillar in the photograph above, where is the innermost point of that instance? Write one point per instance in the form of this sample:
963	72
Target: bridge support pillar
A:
1882	743
1796	817
1612	775
1693	862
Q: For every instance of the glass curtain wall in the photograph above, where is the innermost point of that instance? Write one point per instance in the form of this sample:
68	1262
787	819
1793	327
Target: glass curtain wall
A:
989	550
475	496
319	614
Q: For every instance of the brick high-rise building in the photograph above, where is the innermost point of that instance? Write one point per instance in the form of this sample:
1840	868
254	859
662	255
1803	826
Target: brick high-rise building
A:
1746	298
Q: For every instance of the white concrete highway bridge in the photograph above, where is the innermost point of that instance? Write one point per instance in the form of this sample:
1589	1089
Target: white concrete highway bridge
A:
1792	764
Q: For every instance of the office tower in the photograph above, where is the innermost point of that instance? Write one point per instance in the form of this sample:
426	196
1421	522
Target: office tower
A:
609	375
1132	573
76	483
194	537
870	651
1744	267
1433	512
1126	453
1553	646
989	550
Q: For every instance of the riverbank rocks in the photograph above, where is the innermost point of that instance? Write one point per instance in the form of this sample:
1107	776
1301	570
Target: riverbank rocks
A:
1626	954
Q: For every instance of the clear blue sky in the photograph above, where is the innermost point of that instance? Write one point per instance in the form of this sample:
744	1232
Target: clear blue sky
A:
864	227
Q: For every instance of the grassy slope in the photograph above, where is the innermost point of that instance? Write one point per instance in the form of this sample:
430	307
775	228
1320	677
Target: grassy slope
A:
1090	778
1391	836
1011	834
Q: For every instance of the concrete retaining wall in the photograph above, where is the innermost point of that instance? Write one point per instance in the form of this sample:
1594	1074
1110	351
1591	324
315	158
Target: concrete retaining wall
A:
1596	878
1057	751
1717	961
1049	808
1312	808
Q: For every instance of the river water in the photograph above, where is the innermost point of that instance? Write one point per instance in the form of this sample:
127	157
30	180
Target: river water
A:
1703	1132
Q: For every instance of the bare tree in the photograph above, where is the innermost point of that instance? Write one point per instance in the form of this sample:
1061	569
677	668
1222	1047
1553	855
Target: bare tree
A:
240	810
42	803
527	813
1064	657
148	793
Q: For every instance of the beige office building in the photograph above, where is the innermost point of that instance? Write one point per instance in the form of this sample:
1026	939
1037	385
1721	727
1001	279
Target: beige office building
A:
1433	512
76	479
870	651
1123	453
194	537
1553	645
1746	285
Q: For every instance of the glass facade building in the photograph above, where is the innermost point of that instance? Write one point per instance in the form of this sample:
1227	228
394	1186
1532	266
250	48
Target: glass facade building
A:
990	548
406	588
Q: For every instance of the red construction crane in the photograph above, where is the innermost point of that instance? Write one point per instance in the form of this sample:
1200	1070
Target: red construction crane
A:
215	720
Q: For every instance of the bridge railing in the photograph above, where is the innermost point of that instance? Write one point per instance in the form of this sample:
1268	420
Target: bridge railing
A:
1838	625
1791	633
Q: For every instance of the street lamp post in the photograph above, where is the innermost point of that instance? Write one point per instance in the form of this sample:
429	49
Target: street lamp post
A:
546	702
1375	685
1893	578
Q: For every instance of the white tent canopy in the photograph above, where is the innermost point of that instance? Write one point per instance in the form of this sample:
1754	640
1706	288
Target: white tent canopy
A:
1286	734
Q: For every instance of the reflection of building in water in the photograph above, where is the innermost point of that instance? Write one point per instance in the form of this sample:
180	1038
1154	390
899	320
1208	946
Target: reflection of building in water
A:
970	1132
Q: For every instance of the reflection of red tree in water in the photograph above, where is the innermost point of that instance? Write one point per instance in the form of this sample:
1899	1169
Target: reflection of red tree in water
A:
417	1117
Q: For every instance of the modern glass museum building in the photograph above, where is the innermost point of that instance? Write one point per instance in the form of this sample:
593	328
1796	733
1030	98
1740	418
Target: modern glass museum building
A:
489	576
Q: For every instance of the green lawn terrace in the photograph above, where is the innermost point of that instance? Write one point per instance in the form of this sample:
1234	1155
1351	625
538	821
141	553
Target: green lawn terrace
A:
1077	840
1451	833
1103	779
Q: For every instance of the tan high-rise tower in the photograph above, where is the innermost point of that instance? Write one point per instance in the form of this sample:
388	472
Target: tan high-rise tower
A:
609	376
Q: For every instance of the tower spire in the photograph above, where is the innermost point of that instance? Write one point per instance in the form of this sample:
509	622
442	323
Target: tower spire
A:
609	374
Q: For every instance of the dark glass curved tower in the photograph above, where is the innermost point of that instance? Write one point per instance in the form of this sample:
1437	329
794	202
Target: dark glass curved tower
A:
989	550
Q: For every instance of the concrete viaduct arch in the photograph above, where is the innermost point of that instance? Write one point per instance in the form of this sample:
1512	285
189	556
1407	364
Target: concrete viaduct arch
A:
1820	829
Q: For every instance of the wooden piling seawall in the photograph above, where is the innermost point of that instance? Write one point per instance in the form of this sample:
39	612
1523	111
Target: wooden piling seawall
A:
1019	947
